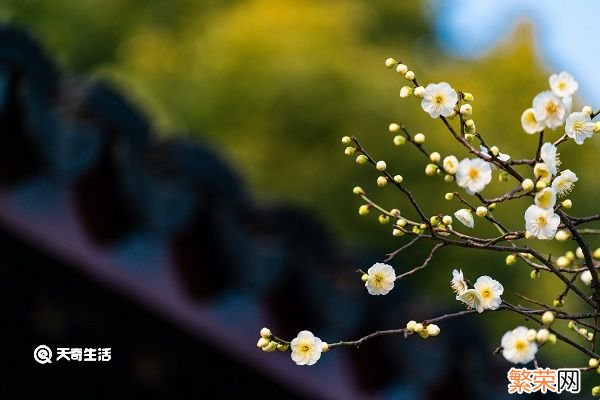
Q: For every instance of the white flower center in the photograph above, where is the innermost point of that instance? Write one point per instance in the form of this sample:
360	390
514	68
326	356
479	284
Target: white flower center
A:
438	99
486	293
562	85
520	345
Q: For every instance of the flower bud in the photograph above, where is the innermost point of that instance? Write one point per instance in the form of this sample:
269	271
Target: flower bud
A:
548	318
534	274
435	157
324	347
390	62
346	140
401	69
433	330
597	127
511	259
409	75
596	390
481	211
531	334
527	185
586	278
282	347
382	181
399	140
381	166
383	219
562	235
262	343
587	110
596	254
401	222
406	91
394	127
558	303
358	190
583	331
431	169
467	97
466	110
364	210
449	196
503	176
469	137
398	178
364	277
418	327
593	363
539	185
397	232
419	138
424	334
542	336
567	203
447	220
265	333
571	325
361	159
271	347
579	253
562	262
528	235
419	91
410	326
448	178
552	338
492	207
350	151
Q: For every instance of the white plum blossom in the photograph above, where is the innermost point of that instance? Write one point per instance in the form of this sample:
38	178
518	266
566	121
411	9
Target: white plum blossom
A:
541	223
529	123
550	157
473	174
381	279
458	283
549	109
563	183
465	217
563	84
546	198
439	99
579	126
306	348
450	164
516	346
489	291
472	299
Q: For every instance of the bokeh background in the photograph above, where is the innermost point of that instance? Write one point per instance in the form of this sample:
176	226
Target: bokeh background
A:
264	90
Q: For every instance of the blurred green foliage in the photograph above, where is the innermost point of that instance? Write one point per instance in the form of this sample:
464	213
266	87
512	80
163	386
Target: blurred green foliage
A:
274	84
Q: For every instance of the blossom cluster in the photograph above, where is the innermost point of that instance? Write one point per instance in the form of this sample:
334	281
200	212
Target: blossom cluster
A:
545	188
485	294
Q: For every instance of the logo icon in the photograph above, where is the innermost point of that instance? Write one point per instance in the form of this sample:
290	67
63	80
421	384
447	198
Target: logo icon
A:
42	354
